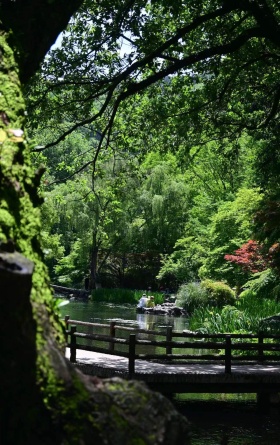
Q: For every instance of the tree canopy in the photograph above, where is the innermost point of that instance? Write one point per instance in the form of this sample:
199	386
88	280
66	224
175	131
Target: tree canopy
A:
224	54
161	118
198	81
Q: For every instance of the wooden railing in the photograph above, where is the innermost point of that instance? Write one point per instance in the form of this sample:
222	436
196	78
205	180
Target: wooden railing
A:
249	347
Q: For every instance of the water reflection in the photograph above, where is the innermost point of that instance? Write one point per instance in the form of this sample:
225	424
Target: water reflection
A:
146	321
232	419
122	314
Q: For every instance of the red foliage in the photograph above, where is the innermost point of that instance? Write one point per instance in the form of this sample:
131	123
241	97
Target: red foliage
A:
249	257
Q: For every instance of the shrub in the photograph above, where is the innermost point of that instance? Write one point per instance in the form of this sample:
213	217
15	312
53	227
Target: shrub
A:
191	296
264	284
219	293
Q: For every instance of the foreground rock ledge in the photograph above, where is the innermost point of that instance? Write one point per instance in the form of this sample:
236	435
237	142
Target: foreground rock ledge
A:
129	413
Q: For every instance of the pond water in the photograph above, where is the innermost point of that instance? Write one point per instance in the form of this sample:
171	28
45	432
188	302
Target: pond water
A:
216	419
123	315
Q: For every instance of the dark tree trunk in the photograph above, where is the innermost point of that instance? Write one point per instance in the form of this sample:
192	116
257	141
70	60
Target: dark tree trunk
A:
18	354
44	399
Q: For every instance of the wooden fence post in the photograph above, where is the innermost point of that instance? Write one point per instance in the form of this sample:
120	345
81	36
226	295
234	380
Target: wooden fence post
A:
168	339
228	355
131	354
73	344
66	318
112	334
260	346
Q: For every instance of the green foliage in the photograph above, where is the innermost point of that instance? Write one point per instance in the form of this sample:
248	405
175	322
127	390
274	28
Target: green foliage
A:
196	295
163	133
191	296
116	295
71	269
122	295
182	265
163	200
89	218
52	249
214	56
258	307
246	316
130	210
230	227
228	319
262	285
267	226
219	293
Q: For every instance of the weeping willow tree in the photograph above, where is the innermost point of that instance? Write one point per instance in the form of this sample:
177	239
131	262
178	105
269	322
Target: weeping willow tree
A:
43	398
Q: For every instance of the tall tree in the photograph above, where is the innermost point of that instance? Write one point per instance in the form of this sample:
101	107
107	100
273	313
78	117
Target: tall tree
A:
210	71
228	230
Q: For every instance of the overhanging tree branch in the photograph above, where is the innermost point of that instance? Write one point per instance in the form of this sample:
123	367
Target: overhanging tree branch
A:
137	87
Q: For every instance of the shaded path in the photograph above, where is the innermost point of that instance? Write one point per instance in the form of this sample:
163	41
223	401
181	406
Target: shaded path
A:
256	378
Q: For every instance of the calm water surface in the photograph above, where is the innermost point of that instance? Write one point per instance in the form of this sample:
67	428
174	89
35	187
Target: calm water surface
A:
216	419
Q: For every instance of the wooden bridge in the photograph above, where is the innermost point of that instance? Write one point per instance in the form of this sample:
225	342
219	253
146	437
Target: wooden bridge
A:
194	363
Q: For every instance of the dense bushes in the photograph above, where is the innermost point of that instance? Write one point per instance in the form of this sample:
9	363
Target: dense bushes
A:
206	293
190	296
219	294
250	315
263	284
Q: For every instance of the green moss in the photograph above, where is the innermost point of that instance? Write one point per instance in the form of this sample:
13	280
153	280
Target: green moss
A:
11	100
7	221
20	222
118	419
20	218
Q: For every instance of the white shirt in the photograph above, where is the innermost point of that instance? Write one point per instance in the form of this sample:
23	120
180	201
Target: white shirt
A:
142	302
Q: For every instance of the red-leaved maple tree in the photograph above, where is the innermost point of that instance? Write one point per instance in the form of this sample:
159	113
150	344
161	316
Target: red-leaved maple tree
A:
249	257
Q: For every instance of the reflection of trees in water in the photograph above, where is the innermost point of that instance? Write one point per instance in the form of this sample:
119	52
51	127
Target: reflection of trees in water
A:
103	313
160	322
153	323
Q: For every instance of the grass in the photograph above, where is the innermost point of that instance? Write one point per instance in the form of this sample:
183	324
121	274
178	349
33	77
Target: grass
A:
123	295
259	307
245	317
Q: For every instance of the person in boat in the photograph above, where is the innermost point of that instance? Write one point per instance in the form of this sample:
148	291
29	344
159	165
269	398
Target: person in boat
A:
142	302
151	301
